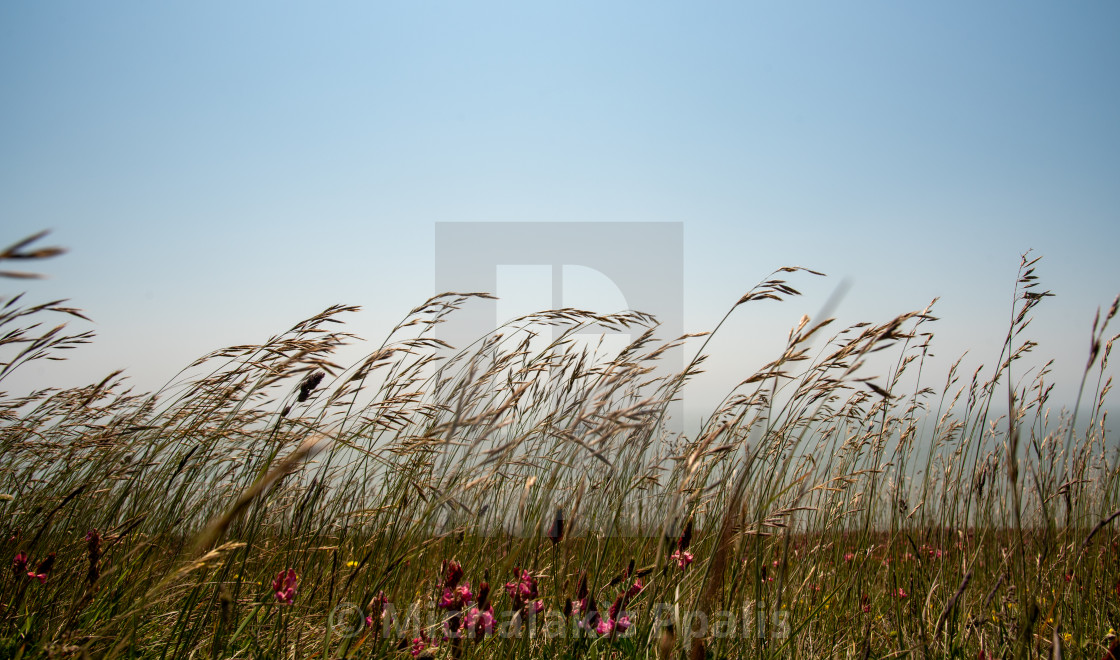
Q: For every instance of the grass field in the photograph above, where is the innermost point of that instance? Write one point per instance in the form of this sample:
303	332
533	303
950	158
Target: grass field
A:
525	498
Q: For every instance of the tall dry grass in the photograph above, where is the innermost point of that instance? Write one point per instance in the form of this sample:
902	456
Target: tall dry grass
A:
830	511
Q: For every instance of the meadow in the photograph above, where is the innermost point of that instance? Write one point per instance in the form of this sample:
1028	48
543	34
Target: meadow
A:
524	496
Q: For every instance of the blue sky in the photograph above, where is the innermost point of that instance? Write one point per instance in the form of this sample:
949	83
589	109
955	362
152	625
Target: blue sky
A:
222	170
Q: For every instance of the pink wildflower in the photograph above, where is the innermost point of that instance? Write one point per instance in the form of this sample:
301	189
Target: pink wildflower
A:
605	626
617	619
420	643
19	564
453	572
457	598
377	609
43	570
681	554
481	621
587	613
286	585
523	589
583	595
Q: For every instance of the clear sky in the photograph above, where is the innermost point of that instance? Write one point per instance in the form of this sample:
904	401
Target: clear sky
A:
222	170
